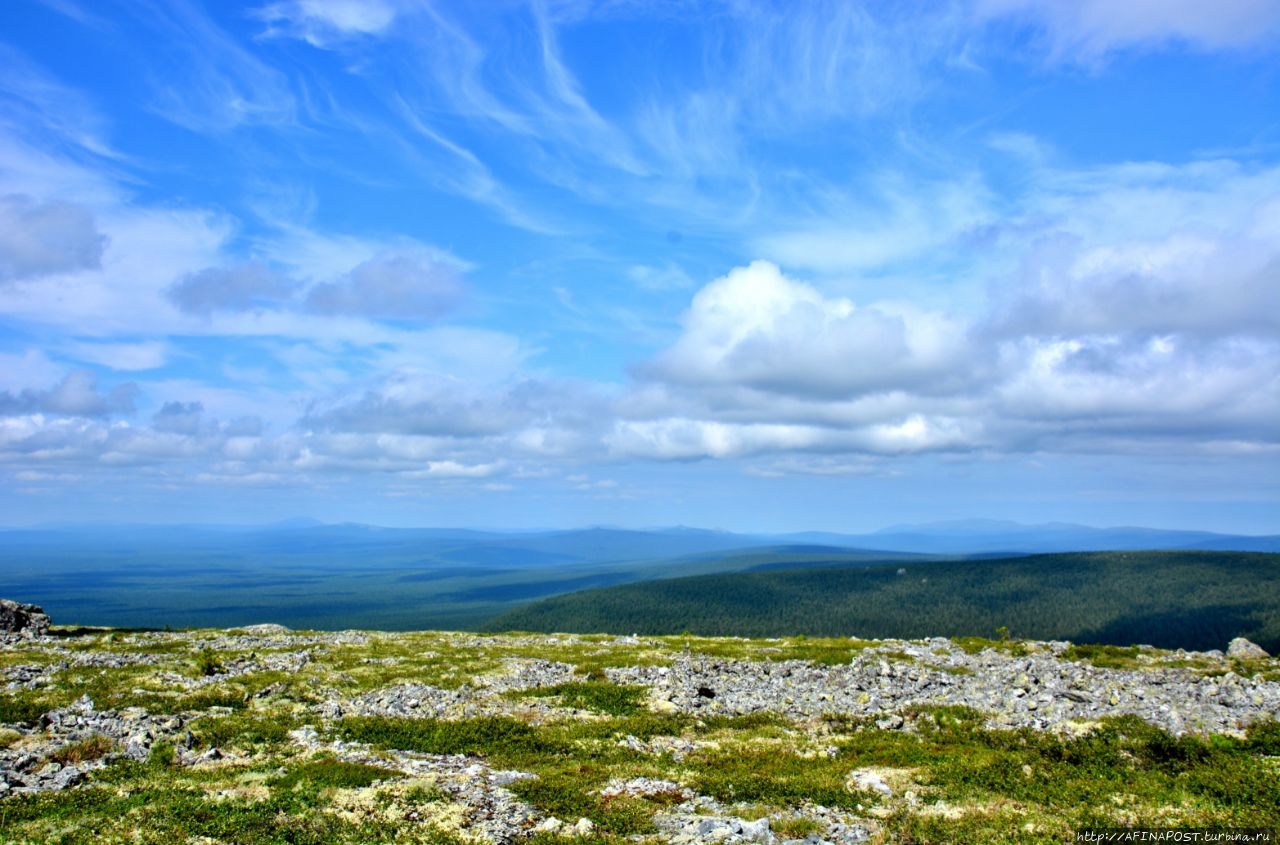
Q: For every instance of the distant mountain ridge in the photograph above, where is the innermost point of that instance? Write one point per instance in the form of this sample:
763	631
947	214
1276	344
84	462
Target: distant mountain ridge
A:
598	543
351	575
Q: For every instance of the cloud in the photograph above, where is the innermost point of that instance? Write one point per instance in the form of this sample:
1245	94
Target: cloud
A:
178	417
1087	30
893	221
666	277
322	22
240	287
42	238
205	81
392	287
138	355
759	329
1135	389
527	415
1151	249
1183	283
76	395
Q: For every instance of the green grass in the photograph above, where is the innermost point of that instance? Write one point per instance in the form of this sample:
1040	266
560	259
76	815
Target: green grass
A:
1104	656
599	696
242	730
498	737
19	707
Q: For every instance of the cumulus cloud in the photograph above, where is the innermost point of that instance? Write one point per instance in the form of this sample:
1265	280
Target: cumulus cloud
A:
392	286
239	287
178	417
77	395
1142	388
1089	29
42	238
1184	282
756	327
1101	338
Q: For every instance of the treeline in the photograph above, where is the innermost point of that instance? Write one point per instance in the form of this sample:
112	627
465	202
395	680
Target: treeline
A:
1192	600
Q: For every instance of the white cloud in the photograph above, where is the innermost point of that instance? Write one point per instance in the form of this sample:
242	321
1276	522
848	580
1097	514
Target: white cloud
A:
393	286
894	221
680	438
668	276
75	395
42	238
240	287
203	79
757	328
1087	30
27	369
137	355
322	22
1149	249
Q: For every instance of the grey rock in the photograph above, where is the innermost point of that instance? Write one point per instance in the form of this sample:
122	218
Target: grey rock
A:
27	620
265	628
68	777
1242	649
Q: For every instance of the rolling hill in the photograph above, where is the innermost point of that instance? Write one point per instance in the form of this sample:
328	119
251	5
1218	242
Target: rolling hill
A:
1187	599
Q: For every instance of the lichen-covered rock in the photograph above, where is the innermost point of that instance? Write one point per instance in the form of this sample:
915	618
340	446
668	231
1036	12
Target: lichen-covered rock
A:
1242	649
27	620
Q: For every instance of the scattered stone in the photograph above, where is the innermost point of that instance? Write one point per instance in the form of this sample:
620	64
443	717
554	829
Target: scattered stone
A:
1037	689
646	788
869	781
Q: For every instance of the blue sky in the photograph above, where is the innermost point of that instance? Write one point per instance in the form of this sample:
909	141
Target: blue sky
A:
755	266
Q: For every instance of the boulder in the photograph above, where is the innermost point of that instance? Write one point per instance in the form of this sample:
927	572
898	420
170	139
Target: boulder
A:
265	629
1242	649
25	619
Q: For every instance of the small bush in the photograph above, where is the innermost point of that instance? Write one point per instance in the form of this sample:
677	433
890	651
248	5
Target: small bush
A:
562	794
1264	737
1104	656
796	827
207	663
162	756
335	774
91	748
240	730
600	696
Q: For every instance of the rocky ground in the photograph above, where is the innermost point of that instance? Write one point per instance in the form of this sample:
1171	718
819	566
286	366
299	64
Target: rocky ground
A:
657	722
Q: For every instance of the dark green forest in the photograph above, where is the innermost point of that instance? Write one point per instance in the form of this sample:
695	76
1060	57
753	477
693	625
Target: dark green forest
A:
1192	600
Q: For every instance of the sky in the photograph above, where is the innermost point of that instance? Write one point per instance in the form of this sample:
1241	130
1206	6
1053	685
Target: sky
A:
738	265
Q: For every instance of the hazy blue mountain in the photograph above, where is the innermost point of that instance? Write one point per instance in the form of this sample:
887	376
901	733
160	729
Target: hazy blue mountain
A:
980	536
306	574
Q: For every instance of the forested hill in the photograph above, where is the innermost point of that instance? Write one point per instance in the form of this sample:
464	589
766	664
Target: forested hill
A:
1193	600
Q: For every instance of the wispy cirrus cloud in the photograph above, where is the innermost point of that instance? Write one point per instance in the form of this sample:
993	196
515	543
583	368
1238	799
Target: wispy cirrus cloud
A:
204	79
1088	30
